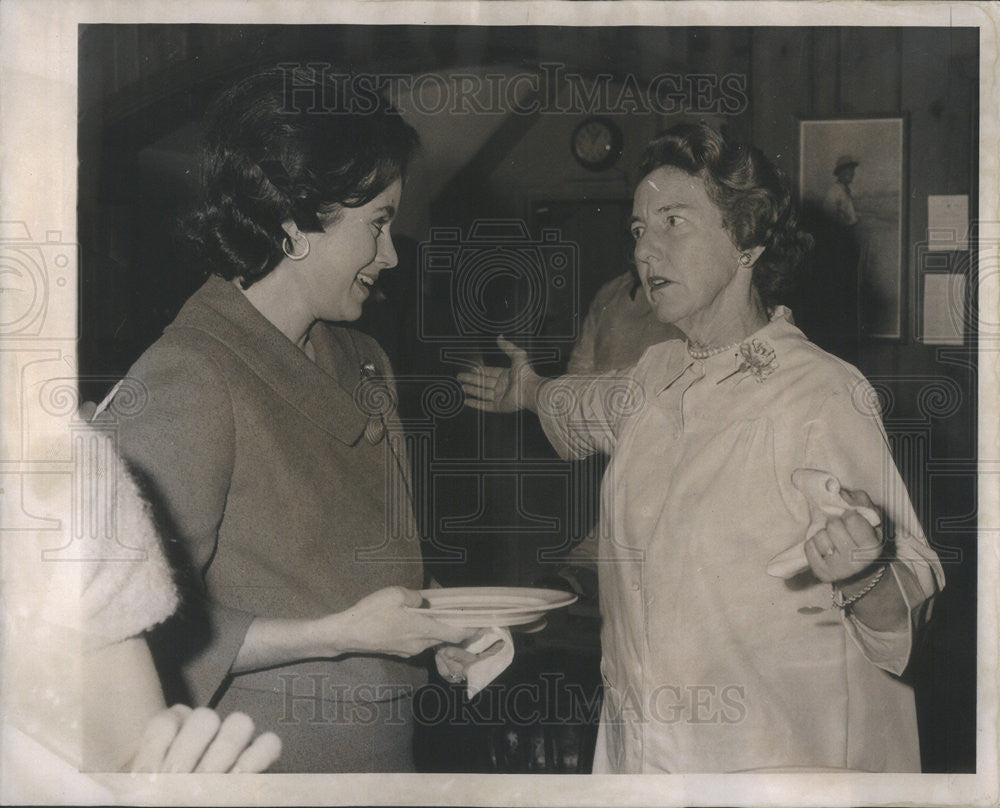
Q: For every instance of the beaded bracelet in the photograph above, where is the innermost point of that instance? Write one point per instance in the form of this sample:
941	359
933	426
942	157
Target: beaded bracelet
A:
838	596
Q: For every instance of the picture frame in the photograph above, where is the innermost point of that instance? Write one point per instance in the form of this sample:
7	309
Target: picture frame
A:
852	182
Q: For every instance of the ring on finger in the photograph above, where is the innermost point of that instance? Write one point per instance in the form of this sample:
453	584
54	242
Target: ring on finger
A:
823	546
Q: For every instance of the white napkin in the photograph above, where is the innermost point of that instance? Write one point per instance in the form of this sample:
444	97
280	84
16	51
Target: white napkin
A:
483	671
822	492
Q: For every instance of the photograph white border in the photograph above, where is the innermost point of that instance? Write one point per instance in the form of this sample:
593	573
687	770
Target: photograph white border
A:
38	65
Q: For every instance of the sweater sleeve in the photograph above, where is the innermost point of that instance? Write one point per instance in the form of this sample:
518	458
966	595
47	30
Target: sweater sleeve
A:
179	435
847	439
127	593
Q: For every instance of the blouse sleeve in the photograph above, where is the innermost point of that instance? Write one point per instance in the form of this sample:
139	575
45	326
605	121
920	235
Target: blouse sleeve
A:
182	441
847	439
581	414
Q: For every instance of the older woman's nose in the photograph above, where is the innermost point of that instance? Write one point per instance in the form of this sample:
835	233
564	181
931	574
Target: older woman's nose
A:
643	249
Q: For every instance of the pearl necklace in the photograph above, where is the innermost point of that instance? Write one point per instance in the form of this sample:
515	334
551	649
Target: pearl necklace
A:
704	353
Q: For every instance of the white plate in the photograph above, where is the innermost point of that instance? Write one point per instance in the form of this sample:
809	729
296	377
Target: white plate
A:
486	606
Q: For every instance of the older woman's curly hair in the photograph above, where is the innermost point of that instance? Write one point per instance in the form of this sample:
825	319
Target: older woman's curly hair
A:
289	144
752	194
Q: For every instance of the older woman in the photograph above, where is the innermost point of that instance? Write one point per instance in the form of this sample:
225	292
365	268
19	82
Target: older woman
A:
709	663
266	436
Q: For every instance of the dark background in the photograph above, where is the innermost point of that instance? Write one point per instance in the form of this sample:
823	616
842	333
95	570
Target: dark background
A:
144	87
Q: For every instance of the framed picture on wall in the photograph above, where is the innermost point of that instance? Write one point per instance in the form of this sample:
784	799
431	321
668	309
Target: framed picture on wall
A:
852	190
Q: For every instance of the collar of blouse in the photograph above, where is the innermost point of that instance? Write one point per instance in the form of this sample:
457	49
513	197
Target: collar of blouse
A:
752	360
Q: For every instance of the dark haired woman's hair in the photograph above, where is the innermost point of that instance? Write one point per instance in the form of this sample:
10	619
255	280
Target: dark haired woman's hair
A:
289	144
752	194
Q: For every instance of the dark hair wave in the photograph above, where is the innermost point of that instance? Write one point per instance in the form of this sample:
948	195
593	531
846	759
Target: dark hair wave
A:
288	144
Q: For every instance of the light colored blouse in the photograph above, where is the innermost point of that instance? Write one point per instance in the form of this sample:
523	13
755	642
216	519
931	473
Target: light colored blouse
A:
711	665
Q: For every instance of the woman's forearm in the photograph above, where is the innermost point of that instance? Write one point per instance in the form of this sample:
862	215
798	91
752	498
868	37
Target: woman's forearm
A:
121	693
384	622
532	385
277	641
883	608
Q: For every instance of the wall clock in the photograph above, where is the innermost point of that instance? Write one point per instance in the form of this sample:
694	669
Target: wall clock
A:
597	143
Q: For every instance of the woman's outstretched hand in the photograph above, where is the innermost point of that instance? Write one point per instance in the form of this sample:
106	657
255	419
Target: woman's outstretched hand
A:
848	545
502	389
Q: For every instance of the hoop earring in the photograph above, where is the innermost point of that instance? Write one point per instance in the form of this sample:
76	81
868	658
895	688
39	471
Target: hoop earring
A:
286	248
745	259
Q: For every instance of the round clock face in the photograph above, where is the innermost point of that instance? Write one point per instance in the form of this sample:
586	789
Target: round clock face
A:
597	143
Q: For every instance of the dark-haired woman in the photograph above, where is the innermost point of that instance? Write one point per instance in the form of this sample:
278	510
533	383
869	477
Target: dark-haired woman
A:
278	466
710	664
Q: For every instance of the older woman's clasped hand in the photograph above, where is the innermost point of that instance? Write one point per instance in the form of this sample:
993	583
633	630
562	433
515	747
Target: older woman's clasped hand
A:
848	546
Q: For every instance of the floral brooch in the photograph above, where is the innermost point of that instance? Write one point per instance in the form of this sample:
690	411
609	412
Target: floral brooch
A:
758	361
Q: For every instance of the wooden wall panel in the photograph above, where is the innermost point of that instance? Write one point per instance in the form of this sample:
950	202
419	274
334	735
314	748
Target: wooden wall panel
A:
925	97
824	74
781	92
869	71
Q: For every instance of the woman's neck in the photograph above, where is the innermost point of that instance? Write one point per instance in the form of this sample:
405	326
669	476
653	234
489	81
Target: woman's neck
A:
727	325
281	305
